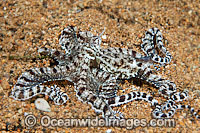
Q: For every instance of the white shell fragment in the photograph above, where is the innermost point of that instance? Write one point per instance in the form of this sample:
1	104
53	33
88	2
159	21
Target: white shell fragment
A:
42	104
109	131
104	37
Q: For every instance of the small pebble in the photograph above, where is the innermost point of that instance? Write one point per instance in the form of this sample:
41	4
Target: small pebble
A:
109	131
104	37
20	111
25	113
42	104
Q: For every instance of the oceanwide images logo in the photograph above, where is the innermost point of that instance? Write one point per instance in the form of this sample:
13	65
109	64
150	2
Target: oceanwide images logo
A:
46	121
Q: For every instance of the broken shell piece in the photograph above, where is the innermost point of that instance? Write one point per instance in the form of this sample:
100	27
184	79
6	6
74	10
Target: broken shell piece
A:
42	104
109	131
